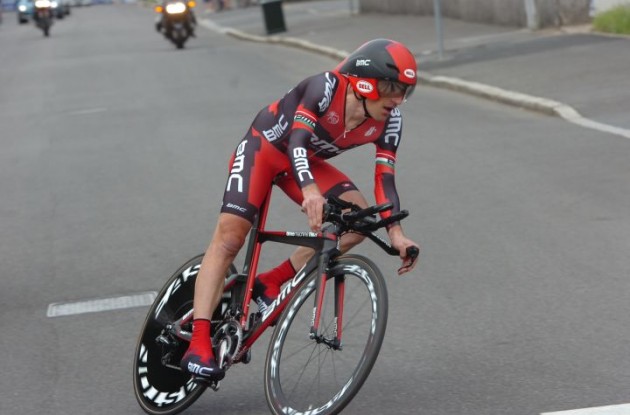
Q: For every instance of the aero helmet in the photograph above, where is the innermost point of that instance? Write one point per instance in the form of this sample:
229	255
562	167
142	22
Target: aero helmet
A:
380	59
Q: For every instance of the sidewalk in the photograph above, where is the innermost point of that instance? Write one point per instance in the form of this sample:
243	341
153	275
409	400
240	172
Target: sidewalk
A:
577	75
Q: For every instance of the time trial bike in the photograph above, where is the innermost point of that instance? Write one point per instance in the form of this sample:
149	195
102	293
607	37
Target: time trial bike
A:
318	357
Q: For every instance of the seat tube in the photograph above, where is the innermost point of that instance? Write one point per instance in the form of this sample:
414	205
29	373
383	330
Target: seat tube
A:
253	254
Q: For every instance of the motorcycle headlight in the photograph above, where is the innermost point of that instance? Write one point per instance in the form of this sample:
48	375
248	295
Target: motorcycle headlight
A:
42	4
175	8
54	4
22	8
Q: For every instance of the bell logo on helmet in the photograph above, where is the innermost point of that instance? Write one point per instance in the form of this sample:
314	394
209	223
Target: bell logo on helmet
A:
365	87
410	73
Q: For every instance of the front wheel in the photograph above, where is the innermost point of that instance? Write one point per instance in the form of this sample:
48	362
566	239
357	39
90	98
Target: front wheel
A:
160	387
180	37
304	375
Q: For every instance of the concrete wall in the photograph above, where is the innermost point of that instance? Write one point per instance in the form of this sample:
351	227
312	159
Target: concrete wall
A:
598	6
501	12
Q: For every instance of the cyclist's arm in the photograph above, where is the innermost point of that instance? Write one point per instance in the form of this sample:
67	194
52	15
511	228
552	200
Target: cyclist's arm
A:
315	99
385	167
311	100
313	201
385	186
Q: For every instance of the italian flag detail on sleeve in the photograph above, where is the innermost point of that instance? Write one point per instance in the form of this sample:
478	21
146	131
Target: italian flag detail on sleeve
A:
304	119
385	160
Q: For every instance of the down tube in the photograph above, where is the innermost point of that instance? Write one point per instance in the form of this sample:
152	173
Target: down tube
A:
288	291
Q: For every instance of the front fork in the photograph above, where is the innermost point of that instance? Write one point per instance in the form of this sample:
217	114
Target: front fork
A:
330	251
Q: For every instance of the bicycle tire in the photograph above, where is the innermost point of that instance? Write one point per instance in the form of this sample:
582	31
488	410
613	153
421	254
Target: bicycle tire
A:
303	376
159	389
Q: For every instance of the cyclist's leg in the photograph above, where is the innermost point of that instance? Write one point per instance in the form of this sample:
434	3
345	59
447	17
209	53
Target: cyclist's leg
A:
226	242
252	168
228	238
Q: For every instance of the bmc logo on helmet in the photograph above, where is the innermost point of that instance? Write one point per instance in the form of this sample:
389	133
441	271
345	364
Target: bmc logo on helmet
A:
410	73
365	86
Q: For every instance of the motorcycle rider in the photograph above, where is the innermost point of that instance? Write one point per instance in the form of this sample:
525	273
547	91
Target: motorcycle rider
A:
160	21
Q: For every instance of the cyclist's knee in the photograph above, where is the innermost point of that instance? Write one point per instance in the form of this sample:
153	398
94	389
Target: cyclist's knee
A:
300	256
350	240
355	197
230	234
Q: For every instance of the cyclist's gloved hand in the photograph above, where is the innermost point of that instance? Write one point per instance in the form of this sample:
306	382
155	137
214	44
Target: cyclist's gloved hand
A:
313	206
409	250
409	260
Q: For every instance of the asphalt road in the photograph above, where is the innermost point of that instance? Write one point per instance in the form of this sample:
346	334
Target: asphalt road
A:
113	157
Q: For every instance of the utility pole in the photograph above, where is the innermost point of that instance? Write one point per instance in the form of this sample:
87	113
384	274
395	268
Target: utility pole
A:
437	12
354	6
533	21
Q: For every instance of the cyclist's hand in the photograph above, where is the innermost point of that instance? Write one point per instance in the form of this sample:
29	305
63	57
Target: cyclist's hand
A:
313	206
409	250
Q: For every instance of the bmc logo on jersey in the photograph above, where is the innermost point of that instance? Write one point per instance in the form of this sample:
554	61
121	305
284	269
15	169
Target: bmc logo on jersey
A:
365	86
363	62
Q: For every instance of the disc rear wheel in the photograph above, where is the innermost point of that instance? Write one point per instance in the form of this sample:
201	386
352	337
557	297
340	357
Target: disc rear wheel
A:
160	387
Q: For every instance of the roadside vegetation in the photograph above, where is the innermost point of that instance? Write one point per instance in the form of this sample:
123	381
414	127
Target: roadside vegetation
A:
616	20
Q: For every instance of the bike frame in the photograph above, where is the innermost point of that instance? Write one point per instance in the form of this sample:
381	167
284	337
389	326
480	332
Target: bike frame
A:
324	243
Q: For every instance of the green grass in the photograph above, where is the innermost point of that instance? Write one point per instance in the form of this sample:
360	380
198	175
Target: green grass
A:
616	20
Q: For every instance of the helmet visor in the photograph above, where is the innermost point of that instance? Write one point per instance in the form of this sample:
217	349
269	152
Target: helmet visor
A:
394	89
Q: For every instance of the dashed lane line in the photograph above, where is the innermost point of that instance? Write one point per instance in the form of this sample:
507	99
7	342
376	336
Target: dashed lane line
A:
97	305
601	410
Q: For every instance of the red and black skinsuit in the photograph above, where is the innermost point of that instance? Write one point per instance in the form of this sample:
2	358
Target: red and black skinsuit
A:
296	134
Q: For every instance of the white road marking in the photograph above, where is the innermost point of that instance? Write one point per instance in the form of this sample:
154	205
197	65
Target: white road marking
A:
97	305
601	410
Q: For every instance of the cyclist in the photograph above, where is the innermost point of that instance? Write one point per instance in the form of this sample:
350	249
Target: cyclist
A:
323	116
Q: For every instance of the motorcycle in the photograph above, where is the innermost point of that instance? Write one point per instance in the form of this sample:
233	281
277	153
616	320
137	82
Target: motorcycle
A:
176	21
43	15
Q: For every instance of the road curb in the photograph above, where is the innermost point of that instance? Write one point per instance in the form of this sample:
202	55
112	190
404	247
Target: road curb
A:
504	96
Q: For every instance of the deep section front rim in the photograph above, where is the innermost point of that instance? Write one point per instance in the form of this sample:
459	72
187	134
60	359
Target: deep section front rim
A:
306	376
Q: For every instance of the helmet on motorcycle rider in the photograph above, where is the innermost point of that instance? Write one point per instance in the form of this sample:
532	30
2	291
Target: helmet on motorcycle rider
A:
381	68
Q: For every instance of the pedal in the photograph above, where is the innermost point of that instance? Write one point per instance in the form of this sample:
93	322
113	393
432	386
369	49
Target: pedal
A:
254	320
162	339
247	357
212	384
